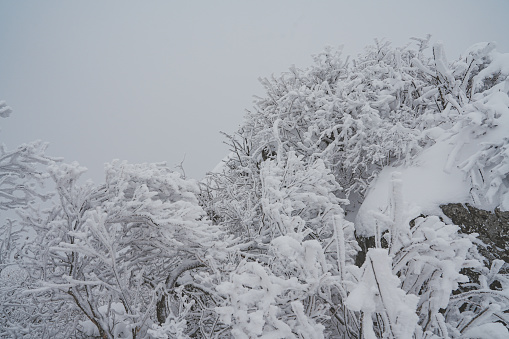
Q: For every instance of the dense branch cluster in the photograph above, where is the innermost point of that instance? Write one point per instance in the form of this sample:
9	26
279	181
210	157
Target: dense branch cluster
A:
289	237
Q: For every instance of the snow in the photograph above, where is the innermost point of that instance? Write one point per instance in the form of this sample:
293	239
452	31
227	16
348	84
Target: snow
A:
119	325
425	185
500	64
378	291
444	172
488	331
276	259
13	275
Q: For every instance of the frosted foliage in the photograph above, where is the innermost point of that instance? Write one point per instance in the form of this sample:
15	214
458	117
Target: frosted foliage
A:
378	291
323	221
289	296
430	259
350	126
175	326
484	303
300	198
231	194
21	171
384	108
429	266
296	196
22	178
22	174
485	117
489	172
10	237
354	116
266	306
117	316
98	247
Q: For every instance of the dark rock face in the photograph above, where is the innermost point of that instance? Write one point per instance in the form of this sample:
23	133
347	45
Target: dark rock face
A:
492	227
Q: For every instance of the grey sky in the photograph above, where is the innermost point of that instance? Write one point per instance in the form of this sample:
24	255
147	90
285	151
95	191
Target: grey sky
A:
151	81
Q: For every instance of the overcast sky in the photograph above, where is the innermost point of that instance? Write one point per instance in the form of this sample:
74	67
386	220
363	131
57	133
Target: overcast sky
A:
151	81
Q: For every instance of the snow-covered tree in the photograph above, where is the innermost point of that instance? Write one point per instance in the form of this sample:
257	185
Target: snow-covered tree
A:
114	252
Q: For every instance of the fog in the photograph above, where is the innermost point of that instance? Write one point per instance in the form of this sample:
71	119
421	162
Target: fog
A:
158	80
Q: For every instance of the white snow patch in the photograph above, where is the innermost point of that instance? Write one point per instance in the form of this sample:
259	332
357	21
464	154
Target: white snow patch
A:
488	331
426	185
434	177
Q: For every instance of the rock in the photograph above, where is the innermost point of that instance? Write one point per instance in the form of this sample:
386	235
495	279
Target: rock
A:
492	227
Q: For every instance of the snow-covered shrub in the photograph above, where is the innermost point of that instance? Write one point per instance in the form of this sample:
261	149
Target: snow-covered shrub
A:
175	325
22	171
441	124
22	178
230	194
288	292
356	116
429	258
122	245
378	292
262	304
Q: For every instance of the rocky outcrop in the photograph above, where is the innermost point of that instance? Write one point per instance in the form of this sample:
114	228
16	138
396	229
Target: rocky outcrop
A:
492	227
